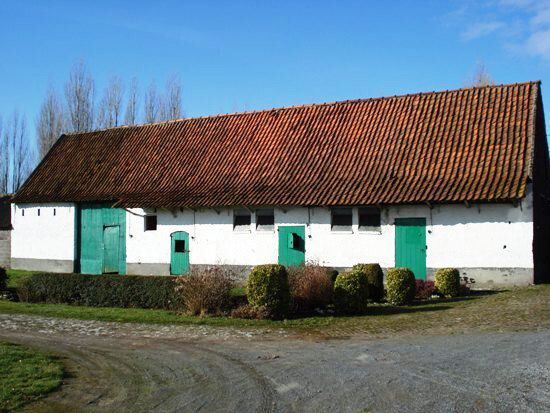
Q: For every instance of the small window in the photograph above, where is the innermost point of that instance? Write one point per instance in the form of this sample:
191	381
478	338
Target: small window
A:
241	220
179	245
54	212
369	219
265	220
150	222
38	211
341	219
23	212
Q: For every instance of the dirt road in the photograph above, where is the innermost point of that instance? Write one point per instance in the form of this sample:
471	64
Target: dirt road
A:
138	368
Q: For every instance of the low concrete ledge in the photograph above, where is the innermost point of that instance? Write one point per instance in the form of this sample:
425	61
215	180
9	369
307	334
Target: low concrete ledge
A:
35	264
147	269
479	278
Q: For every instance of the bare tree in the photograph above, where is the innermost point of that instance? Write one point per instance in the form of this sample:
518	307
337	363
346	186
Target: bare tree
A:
49	125
152	105
4	161
172	100
131	116
481	77
79	93
19	152
110	106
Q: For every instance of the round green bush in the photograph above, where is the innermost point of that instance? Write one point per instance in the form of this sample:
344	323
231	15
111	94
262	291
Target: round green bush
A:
375	279
400	286
268	287
447	281
351	291
3	279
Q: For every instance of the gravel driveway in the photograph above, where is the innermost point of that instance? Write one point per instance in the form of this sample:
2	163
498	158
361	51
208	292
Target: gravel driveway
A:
141	368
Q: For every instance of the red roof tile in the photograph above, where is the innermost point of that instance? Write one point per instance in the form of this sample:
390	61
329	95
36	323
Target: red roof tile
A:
470	144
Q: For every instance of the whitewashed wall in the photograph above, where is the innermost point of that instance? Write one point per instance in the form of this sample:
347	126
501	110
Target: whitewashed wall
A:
212	239
496	236
48	239
482	236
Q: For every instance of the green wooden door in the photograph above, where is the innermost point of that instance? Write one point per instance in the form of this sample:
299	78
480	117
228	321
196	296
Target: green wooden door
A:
111	237
179	256
292	245
91	221
410	245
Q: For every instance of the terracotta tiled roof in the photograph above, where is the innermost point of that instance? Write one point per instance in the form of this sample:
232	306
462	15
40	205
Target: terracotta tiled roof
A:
470	144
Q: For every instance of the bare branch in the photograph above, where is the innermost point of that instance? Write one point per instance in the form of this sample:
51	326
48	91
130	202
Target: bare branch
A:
110	107
19	152
482	77
79	94
172	101
4	161
131	116
49	125
152	105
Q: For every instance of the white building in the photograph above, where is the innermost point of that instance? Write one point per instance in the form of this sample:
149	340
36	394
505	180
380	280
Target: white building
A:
449	179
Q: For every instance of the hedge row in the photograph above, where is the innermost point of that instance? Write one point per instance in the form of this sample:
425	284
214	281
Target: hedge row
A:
127	291
268	289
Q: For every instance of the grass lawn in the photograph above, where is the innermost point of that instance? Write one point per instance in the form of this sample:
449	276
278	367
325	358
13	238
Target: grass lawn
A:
25	375
515	309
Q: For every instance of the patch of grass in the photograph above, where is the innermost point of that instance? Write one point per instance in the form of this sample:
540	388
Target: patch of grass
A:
123	315
15	275
26	375
238	291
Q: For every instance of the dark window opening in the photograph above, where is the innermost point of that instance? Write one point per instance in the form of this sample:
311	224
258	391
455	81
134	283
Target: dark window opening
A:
22	212
369	219
241	220
265	220
341	219
150	223
38	211
179	245
54	212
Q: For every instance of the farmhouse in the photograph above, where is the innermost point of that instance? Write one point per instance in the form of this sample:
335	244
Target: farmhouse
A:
445	179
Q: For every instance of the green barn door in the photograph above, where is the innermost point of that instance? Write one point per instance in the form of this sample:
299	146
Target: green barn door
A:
292	245
111	237
179	255
101	239
410	245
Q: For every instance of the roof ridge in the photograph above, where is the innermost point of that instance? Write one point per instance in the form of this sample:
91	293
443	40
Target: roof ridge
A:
306	105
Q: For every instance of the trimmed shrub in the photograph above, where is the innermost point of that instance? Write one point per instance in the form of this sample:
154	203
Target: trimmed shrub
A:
250	312
268	287
375	278
447	281
310	287
400	286
205	290
424	289
351	291
3	279
131	291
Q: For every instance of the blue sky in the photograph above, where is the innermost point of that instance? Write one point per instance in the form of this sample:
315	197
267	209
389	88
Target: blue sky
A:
244	55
